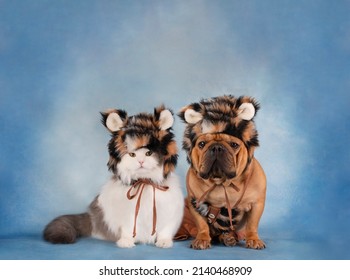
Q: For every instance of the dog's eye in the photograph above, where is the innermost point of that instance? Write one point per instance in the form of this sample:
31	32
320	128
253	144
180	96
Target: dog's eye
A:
149	153
132	154
201	144
234	145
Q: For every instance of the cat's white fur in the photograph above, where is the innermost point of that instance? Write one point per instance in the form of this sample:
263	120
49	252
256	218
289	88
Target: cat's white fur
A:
119	211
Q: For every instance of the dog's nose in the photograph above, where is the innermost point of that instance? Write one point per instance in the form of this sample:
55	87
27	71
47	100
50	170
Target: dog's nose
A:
217	150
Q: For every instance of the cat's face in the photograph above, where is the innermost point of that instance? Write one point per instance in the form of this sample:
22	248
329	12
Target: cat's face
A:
141	163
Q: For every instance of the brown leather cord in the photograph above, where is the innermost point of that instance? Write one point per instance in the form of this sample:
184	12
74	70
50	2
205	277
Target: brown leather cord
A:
139	185
213	213
228	205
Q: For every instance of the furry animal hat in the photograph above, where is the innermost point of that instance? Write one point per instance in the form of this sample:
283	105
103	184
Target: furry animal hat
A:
151	131
223	114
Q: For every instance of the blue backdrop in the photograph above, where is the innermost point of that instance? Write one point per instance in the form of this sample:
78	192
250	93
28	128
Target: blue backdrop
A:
62	62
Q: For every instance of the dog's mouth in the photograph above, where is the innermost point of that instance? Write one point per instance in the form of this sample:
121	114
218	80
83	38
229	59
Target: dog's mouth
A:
215	172
217	164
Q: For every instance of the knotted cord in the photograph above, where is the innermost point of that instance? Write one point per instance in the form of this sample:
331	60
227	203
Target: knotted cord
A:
227	201
139	185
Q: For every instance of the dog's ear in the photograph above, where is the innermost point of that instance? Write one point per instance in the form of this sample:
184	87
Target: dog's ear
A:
191	113
164	117
114	119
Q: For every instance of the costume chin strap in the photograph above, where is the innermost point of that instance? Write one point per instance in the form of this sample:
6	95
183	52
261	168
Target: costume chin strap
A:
139	185
228	205
227	201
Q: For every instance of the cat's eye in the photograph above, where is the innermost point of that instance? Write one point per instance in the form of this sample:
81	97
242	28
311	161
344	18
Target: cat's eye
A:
201	144
149	153
132	154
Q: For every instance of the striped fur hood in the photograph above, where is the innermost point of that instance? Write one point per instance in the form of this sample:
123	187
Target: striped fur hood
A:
144	130
223	114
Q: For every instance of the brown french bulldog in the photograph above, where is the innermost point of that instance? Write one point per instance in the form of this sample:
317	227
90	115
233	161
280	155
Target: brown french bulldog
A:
226	186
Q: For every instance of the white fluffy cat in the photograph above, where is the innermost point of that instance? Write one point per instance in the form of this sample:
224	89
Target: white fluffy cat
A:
143	200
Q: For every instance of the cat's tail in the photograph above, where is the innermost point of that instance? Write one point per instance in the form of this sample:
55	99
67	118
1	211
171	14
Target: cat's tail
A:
67	228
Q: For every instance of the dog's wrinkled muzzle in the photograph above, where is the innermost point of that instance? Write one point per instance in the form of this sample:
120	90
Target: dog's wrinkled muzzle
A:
217	163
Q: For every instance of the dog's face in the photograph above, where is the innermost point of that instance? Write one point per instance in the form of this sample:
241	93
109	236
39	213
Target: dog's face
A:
220	136
218	157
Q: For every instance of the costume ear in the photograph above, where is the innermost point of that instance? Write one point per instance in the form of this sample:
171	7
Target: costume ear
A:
114	120
166	119
246	111
191	114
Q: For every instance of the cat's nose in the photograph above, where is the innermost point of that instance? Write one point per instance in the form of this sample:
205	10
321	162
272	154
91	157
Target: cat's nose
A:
141	162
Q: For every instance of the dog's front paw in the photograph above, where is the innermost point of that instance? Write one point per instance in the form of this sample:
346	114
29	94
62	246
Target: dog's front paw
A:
228	239
200	244
125	243
164	243
255	244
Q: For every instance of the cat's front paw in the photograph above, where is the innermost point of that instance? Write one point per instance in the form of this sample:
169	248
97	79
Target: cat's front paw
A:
164	243
125	243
